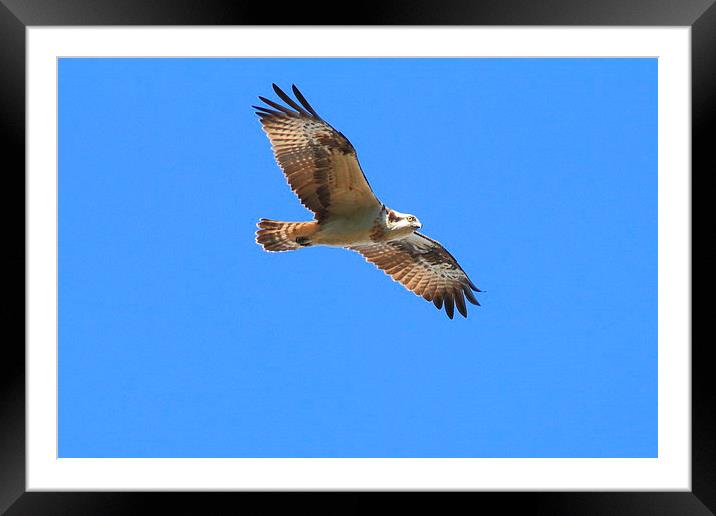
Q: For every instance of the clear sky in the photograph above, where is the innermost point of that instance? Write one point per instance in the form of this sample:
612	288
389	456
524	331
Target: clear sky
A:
180	337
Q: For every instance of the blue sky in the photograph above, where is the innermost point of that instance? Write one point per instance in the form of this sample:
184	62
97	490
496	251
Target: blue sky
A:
180	337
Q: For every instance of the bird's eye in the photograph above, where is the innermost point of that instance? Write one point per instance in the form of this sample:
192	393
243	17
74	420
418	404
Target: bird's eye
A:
411	219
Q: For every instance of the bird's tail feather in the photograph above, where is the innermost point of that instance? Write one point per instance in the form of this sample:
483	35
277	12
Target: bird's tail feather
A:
284	236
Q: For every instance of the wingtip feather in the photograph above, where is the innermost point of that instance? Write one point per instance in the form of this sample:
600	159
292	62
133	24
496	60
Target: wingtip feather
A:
303	101
470	296
460	304
449	306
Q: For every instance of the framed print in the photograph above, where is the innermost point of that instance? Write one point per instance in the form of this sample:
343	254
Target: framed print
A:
525	173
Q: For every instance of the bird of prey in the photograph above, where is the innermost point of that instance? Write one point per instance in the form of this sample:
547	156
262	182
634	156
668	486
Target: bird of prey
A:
322	168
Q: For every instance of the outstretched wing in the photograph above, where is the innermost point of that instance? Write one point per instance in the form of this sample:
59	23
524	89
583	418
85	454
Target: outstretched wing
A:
424	267
319	163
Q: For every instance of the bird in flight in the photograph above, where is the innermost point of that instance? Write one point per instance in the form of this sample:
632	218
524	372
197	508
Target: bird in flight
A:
321	167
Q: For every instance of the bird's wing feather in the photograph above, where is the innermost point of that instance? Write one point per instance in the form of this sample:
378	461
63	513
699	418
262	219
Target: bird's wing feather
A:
319	163
424	267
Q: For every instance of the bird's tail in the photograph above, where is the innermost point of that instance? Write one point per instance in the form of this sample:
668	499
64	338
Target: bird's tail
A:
284	236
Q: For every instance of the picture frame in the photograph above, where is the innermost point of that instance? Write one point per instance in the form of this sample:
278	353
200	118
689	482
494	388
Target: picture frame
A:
16	16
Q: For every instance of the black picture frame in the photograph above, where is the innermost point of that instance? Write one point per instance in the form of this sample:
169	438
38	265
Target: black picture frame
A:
16	15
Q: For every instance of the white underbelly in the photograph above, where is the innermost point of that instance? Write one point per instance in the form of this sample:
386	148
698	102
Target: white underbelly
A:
345	231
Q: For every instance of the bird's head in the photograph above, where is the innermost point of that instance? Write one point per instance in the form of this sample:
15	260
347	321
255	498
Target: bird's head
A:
402	221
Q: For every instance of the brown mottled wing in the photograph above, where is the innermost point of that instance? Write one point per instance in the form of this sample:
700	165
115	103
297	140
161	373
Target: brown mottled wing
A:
319	163
424	267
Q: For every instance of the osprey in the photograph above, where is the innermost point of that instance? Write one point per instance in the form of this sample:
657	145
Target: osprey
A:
322	168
